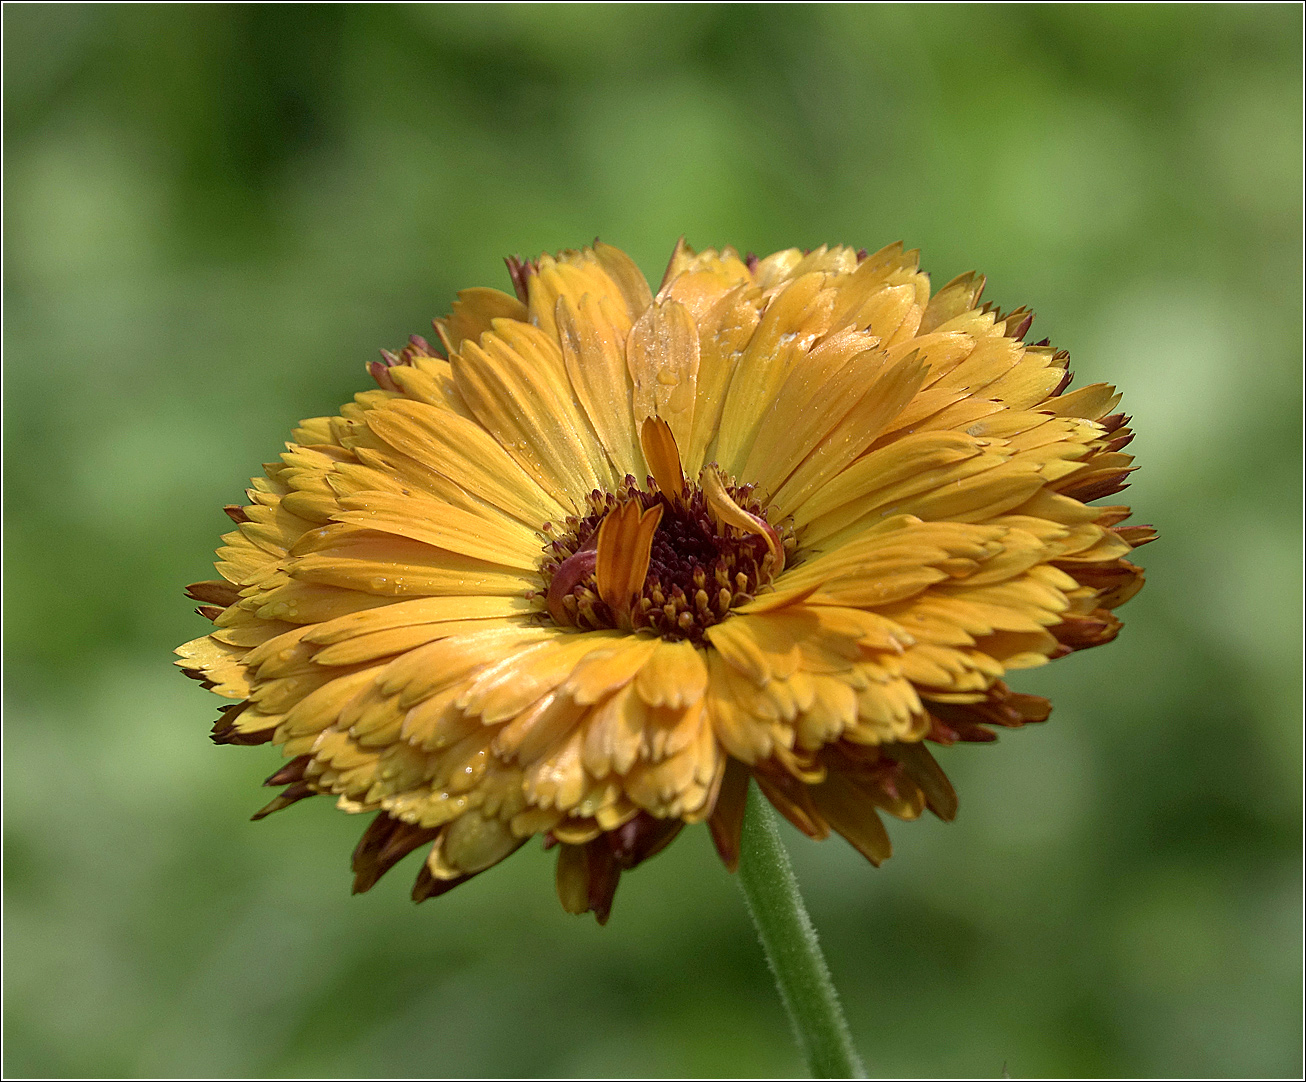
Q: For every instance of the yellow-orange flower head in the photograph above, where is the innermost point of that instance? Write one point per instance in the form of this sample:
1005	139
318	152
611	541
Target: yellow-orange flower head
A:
604	555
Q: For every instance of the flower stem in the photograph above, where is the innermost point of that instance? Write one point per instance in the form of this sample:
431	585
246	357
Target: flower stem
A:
789	941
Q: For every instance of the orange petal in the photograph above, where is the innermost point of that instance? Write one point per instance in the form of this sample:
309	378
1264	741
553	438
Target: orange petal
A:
625	544
727	819
663	456
729	512
848	810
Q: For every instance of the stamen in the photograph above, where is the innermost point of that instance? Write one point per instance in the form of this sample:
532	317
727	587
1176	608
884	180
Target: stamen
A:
669	563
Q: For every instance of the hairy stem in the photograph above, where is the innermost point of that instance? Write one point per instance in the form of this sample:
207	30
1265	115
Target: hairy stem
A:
789	941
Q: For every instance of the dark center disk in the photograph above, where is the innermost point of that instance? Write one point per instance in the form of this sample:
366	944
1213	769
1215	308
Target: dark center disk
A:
698	571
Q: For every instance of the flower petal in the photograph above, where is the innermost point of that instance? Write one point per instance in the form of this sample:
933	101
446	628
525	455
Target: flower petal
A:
464	452
663	356
595	356
530	410
793	321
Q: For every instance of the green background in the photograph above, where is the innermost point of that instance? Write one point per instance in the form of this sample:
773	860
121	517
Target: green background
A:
215	214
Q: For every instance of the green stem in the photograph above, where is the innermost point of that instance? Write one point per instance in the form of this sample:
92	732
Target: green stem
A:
789	941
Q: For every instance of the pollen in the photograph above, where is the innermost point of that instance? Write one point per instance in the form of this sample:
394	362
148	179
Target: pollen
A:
700	566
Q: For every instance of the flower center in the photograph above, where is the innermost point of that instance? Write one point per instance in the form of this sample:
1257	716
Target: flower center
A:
671	564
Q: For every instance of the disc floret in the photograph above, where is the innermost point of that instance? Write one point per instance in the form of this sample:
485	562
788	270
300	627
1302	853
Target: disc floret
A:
699	566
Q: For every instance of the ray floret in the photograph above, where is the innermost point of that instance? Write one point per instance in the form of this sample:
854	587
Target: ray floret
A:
601	555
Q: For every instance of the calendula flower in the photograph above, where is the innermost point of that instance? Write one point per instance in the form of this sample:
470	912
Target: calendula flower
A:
603	556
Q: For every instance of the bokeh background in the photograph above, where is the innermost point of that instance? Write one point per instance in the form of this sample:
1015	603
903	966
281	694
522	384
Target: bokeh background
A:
215	214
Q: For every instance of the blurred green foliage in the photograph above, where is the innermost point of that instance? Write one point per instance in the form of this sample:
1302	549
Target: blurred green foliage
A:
215	213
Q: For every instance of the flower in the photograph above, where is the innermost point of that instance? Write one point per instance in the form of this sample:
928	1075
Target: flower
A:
604	555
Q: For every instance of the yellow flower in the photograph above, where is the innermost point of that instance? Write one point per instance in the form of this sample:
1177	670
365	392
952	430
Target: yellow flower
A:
606	555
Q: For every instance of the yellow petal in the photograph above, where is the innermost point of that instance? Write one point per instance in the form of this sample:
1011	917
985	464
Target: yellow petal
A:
429	380
679	785
533	733
571	279
957	297
896	463
663	356
869	416
821	388
519	678
472	843
602	271
777	268
424	610
971	490
530	410
1094	401
464	452
603	672
489	536
723	335
310	602
792	322
699	281
558	779
831	712
473	312
320	707
858	292
397	567
398	640
891	314
595	356
614	733
757	647
427	669
732	709
674	675
627	277
839	260
217	662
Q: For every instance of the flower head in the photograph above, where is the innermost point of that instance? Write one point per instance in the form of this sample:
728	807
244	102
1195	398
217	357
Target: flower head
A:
602	556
